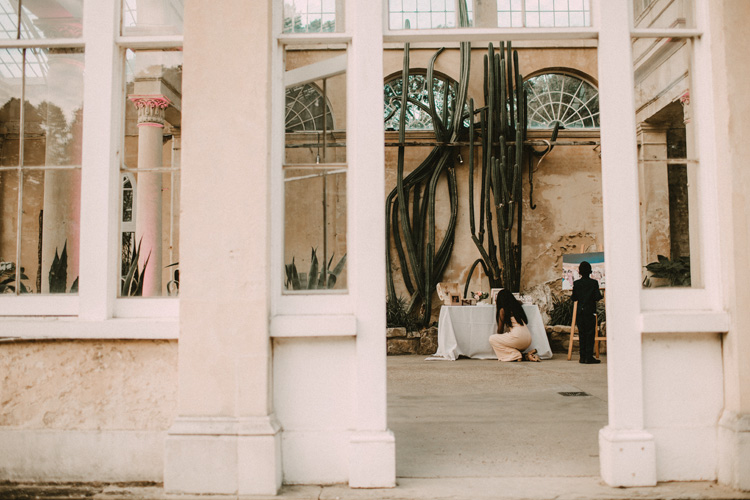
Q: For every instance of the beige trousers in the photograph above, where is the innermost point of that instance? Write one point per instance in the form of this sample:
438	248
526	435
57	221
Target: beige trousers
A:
508	346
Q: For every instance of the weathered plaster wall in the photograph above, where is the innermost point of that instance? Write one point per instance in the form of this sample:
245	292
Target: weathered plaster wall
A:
88	385
567	184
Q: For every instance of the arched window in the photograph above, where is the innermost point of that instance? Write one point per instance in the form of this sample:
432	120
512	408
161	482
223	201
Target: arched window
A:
561	98
304	109
127	221
418	118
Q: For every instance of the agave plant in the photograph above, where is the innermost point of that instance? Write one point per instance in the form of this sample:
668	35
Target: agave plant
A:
318	278
58	272
132	282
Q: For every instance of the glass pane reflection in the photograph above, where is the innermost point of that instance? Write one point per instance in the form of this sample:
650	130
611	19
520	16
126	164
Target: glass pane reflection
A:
40	19
152	17
315	229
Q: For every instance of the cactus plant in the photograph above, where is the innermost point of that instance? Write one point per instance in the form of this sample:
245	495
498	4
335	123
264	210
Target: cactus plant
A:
410	206
502	124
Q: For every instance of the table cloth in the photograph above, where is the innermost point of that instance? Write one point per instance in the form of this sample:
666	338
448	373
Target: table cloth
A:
465	331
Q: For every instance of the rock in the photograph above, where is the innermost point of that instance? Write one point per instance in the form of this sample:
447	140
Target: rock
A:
398	331
428	342
413	335
402	346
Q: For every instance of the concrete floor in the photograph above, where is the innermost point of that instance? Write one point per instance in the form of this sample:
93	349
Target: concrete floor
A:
468	430
484	418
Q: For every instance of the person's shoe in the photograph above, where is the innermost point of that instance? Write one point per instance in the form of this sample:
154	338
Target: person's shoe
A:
593	361
582	361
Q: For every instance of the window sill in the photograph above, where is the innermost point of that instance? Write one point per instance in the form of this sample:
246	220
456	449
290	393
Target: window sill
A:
61	328
314	325
684	322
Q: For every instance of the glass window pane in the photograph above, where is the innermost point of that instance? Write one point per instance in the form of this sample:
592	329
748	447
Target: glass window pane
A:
532	19
313	16
50	236
668	169
9	263
315	229
677	14
577	19
9	19
315	120
151	163
45	19
503	20
152	17
315	171
546	20
54	107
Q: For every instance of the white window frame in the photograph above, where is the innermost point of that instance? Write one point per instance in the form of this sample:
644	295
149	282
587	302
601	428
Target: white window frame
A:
97	312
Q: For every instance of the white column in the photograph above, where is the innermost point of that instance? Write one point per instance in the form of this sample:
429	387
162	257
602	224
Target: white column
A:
654	194
225	439
627	452
100	178
723	50
372	446
148	185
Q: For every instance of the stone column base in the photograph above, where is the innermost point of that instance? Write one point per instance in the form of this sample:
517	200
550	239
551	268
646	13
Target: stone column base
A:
627	457
372	460
734	450
219	455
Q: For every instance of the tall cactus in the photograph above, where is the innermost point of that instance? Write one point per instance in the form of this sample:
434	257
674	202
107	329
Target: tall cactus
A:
502	122
410	206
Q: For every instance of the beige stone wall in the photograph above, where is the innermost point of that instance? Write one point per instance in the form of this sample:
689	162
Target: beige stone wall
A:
88	385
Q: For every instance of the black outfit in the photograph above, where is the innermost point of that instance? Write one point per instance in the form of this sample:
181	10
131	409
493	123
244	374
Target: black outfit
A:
586	293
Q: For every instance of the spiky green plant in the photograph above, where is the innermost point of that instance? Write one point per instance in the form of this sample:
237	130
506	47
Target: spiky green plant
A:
318	278
132	282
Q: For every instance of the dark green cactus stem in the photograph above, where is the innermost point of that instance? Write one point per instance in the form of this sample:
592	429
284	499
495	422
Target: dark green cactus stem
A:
410	207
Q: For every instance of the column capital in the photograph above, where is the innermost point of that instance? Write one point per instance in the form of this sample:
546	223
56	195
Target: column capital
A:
150	108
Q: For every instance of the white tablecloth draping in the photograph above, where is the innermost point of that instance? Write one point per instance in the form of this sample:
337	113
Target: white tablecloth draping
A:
465	331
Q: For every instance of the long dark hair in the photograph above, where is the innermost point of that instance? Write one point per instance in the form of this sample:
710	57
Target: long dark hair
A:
505	300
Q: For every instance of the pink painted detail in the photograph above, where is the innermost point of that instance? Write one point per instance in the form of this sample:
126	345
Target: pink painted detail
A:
685	97
150	101
150	124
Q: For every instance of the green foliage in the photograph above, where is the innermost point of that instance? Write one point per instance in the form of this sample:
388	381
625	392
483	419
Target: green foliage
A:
58	271
318	278
562	311
132	283
8	279
397	315
675	272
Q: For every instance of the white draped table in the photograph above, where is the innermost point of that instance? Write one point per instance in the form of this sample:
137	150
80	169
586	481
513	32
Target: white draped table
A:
466	330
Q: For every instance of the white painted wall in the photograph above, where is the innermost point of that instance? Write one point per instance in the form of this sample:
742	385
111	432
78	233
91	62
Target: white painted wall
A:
314	399
683	400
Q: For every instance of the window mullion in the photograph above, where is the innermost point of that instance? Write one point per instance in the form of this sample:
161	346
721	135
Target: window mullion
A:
99	175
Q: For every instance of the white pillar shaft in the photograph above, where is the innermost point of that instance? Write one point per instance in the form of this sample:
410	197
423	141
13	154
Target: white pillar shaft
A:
148	207
627	453
621	224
